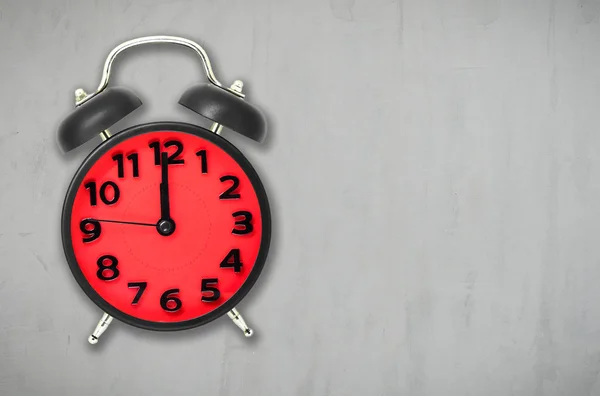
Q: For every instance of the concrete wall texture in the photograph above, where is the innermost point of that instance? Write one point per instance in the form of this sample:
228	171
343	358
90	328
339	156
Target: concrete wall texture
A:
433	171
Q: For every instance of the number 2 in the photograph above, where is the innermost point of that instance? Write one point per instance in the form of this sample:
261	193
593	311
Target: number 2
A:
231	192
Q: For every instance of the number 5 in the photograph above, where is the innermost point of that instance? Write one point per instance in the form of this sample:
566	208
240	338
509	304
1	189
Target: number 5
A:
206	287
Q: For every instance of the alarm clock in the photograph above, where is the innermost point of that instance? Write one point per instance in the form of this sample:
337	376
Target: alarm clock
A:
166	225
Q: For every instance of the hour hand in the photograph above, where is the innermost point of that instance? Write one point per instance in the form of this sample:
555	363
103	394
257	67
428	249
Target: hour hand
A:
165	210
166	225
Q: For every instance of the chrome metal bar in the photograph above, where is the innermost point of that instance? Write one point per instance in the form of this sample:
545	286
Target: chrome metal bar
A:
105	135
216	128
154	40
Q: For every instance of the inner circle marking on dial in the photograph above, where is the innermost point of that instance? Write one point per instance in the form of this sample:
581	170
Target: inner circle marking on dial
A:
160	266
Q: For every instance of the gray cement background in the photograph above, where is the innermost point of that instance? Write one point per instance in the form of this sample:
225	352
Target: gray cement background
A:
433	170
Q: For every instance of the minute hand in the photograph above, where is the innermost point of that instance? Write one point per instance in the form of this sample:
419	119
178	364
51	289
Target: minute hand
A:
165	212
124	222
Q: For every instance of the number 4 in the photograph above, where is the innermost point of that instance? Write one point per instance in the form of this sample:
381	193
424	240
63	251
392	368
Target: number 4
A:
232	260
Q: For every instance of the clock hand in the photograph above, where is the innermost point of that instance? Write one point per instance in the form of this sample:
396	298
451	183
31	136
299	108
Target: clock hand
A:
124	222
166	225
165	213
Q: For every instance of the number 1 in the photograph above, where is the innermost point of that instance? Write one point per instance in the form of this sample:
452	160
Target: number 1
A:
204	165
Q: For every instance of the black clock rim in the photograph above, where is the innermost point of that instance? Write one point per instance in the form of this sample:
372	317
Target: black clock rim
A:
230	149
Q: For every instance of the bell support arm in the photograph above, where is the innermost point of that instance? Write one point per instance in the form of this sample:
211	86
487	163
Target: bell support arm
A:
157	40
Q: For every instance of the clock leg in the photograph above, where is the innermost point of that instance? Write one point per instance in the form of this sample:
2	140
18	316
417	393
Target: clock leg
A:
100	328
236	86
239	322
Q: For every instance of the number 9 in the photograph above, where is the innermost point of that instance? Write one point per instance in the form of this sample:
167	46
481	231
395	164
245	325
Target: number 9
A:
91	228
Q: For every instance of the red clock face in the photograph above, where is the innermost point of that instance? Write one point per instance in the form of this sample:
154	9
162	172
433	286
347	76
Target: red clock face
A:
166	226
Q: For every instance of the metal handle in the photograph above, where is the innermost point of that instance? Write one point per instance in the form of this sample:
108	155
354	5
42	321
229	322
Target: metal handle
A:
152	40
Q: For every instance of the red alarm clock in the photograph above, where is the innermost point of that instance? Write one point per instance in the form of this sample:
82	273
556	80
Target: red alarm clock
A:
165	225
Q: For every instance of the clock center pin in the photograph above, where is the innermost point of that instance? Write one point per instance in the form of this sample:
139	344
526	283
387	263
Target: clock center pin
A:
165	227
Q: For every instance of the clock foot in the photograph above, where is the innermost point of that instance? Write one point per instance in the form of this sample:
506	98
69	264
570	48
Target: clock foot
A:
237	87
239	322
100	328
